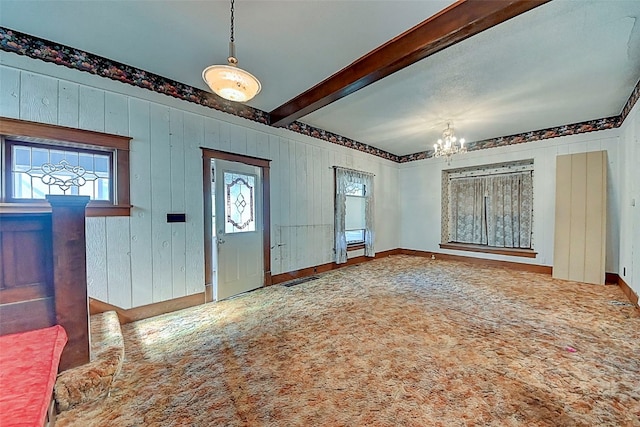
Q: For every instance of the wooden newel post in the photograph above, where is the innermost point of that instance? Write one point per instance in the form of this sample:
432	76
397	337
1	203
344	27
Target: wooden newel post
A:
70	276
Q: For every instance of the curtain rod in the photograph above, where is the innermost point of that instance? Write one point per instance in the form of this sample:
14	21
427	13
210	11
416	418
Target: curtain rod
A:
505	170
352	170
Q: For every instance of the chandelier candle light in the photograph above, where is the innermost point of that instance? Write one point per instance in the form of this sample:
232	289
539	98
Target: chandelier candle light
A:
229	81
449	144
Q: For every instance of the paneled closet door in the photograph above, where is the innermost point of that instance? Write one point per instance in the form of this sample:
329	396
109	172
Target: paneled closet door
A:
580	221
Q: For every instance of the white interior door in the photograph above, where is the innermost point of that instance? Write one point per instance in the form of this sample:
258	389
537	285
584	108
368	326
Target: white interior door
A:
238	228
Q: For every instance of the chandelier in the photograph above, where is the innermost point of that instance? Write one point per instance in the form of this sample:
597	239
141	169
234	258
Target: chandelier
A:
229	81
448	145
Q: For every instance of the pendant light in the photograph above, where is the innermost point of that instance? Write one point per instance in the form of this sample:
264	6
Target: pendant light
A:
229	81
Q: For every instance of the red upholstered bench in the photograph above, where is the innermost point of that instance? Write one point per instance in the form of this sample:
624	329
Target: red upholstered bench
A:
28	369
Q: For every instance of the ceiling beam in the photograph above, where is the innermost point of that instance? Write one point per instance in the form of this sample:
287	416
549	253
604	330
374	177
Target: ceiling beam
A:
458	22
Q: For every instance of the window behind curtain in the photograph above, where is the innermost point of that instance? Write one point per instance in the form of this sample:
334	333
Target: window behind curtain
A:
492	207
355	213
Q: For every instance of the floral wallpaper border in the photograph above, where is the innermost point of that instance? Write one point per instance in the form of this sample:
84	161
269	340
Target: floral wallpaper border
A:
48	51
633	98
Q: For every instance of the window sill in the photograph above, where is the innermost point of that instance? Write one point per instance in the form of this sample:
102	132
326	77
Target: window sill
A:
526	253
107	210
92	210
355	246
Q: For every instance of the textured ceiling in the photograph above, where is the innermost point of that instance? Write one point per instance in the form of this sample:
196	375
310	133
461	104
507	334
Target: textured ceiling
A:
564	62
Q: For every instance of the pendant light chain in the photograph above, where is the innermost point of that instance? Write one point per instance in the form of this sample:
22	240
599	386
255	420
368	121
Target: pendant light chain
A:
232	28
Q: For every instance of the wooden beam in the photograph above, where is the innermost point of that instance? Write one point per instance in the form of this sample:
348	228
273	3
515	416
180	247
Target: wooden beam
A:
452	25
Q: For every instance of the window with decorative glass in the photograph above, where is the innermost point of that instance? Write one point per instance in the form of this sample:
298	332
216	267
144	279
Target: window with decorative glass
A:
355	213
37	170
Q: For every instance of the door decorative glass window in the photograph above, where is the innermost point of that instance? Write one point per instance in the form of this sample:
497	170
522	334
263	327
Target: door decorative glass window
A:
239	206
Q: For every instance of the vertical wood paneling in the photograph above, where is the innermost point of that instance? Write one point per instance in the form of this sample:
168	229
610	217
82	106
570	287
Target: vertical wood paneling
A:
91	114
68	104
224	136
596	213
141	246
276	191
193	140
95	230
160	202
263	147
285	204
238	139
178	232
309	226
300	201
578	216
38	98
116	118
9	92
211	133
118	261
327	198
251	143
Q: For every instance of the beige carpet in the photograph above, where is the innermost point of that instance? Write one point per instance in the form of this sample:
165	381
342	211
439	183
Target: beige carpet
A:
401	341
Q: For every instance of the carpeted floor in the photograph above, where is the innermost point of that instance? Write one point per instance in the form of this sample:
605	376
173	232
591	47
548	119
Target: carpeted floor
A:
401	341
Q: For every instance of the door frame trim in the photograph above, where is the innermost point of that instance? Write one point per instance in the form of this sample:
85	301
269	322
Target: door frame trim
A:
209	154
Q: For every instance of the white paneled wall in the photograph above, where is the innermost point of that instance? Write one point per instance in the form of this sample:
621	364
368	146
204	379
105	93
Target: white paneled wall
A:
142	259
629	203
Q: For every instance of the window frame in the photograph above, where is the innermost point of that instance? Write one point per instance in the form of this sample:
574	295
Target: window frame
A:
480	170
356	244
23	132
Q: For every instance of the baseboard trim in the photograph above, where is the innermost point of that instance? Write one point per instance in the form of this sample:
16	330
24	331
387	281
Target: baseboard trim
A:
323	268
544	269
611	278
146	311
626	289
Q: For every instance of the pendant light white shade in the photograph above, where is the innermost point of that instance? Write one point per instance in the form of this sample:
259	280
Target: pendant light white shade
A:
231	82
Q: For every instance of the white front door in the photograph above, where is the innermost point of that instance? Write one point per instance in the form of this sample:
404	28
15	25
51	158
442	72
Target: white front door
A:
238	228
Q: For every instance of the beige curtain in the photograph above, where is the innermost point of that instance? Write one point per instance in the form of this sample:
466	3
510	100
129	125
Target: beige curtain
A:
509	210
468	213
492	210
